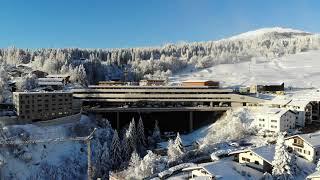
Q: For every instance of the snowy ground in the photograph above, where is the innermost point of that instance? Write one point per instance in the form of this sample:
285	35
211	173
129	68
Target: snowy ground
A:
225	169
43	160
298	70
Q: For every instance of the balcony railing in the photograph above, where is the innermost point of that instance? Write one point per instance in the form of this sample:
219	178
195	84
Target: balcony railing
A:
298	144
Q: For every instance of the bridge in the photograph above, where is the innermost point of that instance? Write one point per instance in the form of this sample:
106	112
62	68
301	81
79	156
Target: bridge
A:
117	100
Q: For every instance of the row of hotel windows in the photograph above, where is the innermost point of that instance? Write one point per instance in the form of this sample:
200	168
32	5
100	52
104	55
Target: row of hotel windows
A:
46	105
45	115
44	95
27	111
46	100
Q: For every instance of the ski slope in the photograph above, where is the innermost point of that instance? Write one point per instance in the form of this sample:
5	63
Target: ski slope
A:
297	70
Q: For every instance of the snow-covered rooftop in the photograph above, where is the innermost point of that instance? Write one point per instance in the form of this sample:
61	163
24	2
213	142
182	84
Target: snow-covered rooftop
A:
275	112
312	139
58	76
265	152
226	169
314	175
50	83
50	79
291	101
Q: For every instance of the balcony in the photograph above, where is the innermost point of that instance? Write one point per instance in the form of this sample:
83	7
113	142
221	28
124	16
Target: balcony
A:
298	145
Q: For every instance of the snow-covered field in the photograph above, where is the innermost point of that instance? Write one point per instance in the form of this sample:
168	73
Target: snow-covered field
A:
49	159
298	70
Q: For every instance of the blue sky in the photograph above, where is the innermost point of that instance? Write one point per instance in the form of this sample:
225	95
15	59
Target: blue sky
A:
139	23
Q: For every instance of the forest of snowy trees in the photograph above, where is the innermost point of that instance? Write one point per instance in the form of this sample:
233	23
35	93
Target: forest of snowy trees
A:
161	62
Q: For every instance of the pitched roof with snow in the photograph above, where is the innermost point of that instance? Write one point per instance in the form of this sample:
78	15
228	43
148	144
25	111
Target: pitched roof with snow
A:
51	79
50	83
265	152
314	175
58	76
313	139
274	112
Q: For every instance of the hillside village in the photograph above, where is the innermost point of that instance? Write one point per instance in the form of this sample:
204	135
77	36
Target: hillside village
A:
260	130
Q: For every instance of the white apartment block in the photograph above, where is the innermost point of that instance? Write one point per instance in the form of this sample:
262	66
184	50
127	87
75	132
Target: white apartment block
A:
307	110
35	106
274	119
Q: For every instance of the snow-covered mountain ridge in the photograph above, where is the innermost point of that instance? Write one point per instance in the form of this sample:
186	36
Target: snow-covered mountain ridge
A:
160	62
274	32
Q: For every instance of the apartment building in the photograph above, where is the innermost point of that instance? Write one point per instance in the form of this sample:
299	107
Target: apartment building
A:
36	106
306	111
274	119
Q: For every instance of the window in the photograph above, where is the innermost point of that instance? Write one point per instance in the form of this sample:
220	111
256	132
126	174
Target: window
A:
245	159
261	119
273	120
256	162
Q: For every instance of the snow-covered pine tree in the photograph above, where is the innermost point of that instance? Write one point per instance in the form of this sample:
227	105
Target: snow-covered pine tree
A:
131	136
156	135
281	162
293	165
4	88
150	164
105	160
96	158
126	149
178	143
135	159
115	151
174	152
82	75
141	143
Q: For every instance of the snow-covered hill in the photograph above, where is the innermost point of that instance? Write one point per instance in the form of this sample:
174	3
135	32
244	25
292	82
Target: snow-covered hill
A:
160	62
270	33
297	70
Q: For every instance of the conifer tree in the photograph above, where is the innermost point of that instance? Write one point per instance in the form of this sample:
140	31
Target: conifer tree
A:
281	162
115	151
141	144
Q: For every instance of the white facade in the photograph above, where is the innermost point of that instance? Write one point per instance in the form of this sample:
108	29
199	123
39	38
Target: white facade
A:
201	173
258	158
302	108
305	145
274	119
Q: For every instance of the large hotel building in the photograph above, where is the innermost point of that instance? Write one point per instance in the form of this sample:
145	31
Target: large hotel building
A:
42	105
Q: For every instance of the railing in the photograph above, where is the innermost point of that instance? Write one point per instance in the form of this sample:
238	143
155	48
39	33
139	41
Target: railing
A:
298	144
